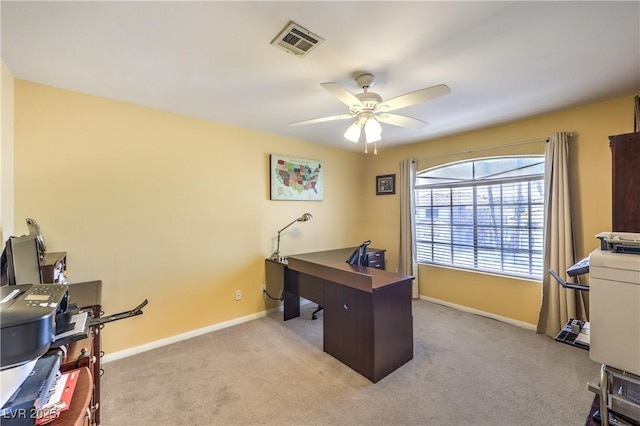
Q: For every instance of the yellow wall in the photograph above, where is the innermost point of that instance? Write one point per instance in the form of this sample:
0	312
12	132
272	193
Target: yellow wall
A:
166	207
590	161
6	154
176	209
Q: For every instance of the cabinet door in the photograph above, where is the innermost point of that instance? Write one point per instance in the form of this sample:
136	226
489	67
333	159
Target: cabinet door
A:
348	327
393	332
625	155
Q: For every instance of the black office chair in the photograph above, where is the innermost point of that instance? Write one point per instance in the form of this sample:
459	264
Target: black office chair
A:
314	314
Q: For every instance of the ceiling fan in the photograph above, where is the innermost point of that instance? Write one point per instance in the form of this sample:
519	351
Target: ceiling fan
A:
369	109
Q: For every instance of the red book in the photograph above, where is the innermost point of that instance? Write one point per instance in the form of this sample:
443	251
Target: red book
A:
60	397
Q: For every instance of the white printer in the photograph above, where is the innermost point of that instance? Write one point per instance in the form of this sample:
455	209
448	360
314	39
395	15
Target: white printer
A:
614	301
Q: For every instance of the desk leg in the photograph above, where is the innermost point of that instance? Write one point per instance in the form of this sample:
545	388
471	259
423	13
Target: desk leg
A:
291	295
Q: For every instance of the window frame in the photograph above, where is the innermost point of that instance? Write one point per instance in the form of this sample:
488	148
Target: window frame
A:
532	256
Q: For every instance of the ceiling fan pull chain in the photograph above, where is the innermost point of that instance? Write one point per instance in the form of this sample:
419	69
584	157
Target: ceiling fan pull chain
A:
375	148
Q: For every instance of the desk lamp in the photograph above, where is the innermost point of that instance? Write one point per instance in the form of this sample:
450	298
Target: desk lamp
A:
305	217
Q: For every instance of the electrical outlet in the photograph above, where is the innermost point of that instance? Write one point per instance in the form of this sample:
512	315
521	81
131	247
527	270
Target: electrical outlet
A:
264	288
238	294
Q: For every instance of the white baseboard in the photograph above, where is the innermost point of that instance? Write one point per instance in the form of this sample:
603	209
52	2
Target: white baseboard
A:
184	336
219	326
532	327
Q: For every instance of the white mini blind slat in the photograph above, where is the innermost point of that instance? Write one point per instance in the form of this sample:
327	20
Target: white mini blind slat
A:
492	225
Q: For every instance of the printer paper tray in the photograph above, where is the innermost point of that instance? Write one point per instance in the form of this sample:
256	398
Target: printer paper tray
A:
122	315
79	332
84	321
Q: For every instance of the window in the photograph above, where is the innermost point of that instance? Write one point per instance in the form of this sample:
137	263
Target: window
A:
484	215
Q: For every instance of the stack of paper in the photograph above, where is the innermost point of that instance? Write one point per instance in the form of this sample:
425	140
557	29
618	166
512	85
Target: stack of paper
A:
583	336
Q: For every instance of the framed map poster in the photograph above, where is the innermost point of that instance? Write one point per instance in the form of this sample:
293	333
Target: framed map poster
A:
296	179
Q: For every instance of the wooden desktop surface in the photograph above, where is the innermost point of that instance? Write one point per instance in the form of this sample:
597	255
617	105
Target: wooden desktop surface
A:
332	265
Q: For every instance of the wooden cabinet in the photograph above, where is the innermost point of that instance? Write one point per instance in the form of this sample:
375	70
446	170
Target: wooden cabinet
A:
54	268
371	332
87	353
625	167
77	414
84	355
376	258
81	354
348	322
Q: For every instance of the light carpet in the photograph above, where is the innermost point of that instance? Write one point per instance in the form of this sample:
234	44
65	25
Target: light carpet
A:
467	370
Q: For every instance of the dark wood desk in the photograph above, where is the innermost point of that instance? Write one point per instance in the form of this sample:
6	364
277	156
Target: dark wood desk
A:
368	320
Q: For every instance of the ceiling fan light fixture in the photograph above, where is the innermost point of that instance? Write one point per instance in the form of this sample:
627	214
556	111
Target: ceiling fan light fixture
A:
375	138
372	130
353	132
371	111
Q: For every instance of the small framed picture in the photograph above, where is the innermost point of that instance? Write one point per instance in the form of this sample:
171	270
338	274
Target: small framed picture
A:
385	184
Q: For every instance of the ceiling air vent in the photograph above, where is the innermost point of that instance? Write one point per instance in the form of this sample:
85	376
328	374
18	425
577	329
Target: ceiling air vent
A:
296	39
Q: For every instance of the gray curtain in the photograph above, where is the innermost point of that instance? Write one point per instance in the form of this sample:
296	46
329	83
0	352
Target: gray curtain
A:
408	264
558	303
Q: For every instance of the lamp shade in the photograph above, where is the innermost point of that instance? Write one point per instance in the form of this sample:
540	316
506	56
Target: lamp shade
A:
372	130
353	132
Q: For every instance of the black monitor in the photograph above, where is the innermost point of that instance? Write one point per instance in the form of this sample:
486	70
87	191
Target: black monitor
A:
23	260
359	256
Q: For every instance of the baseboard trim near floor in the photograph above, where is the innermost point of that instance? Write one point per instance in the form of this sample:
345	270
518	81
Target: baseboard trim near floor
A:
511	321
219	326
184	336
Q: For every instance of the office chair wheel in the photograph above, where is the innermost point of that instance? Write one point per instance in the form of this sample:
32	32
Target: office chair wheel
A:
313	315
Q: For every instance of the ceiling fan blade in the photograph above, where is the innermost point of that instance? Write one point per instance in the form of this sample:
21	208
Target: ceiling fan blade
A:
401	121
322	119
344	96
413	98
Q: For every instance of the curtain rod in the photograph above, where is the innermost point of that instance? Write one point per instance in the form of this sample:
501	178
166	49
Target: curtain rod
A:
486	148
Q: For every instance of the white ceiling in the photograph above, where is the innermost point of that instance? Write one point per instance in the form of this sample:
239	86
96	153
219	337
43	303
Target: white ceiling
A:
214	60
